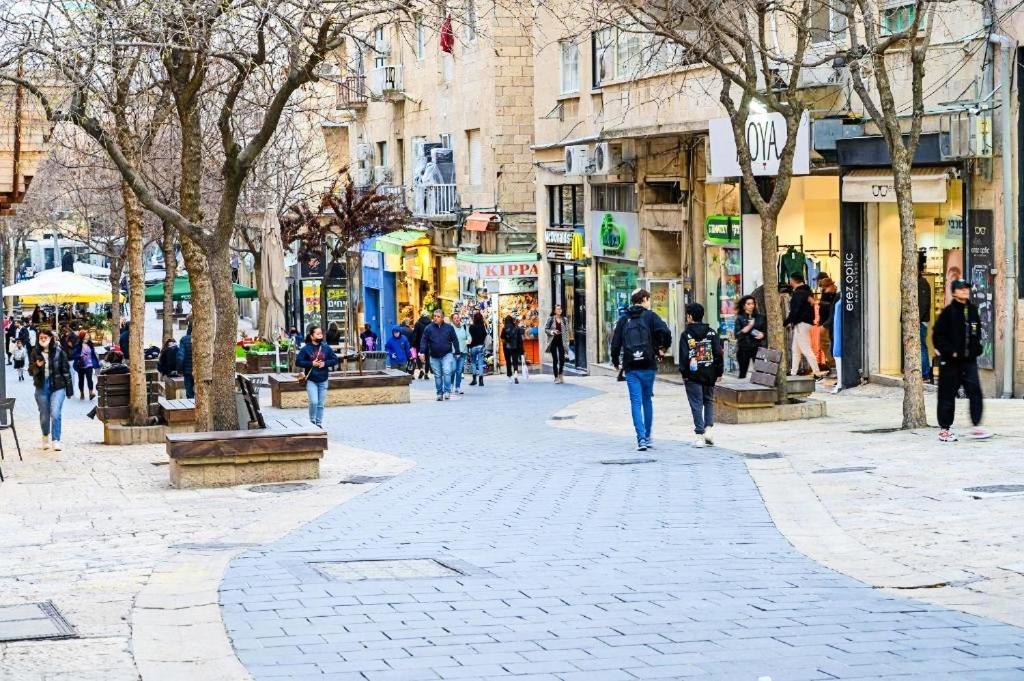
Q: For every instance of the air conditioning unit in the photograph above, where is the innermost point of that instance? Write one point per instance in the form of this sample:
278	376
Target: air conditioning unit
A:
576	159
364	152
607	159
361	177
382	175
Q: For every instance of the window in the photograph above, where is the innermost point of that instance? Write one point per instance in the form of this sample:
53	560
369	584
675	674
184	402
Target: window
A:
602	56
470	21
617	198
663	192
382	153
380	44
446	139
828	21
570	61
628	58
421	38
565	206
899	17
476	170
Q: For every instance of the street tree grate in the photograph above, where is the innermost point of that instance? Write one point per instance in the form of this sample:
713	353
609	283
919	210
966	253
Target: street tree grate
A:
845	469
625	462
281	488
402	568
996	489
33	622
764	455
365	479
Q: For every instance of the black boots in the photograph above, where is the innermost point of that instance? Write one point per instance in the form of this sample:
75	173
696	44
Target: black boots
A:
481	384
473	382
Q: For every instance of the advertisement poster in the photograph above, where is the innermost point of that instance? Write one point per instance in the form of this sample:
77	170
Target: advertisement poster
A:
337	308
311	311
981	259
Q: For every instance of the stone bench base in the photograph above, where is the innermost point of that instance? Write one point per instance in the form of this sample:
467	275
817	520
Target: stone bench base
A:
797	410
122	434
344	389
223	459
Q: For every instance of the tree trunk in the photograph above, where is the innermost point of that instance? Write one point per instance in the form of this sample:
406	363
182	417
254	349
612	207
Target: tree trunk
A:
170	272
116	269
910	315
223	415
202	327
773	312
138	409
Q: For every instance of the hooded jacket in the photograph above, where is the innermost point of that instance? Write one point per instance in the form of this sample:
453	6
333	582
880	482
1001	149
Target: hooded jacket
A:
397	347
60	369
321	351
661	337
690	347
185	353
958	331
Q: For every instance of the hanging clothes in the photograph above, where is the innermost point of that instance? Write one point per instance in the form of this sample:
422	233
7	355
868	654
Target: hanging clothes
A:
819	355
792	262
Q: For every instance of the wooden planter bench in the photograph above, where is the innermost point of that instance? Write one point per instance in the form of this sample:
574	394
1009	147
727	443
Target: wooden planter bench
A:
389	386
179	416
755	402
174	387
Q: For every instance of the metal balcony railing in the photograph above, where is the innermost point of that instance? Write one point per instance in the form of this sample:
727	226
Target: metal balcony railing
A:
435	201
352	92
387	80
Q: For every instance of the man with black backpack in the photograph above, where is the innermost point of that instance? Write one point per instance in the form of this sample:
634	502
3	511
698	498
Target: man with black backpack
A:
639	342
701	364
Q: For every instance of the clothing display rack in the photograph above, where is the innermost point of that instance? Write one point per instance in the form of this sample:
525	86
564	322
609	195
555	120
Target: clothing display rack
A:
830	251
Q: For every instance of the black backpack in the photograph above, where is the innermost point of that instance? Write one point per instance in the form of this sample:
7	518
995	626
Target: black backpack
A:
637	348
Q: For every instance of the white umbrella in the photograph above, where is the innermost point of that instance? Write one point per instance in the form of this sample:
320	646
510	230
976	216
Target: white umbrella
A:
86	269
54	287
272	282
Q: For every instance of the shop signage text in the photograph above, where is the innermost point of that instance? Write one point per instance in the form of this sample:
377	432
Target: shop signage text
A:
614	234
980	252
766	136
509	269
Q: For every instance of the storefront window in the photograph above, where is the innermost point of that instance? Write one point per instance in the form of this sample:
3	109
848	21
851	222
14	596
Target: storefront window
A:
616	283
565	203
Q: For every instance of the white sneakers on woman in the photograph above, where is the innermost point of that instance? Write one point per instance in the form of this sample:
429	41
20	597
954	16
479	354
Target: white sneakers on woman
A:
46	442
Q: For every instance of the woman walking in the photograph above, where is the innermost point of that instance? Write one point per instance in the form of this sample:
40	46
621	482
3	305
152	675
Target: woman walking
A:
555	330
51	375
462	333
85	360
316	359
512	346
477	348
751	333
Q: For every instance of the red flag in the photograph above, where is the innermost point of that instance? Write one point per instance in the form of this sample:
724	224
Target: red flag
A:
447	35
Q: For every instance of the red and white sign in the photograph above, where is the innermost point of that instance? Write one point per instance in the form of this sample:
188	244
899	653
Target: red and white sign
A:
499	270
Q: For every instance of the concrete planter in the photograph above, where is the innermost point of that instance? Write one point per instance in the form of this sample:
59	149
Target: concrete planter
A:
389	386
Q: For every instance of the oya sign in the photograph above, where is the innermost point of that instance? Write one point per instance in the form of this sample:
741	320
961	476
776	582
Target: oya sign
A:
766	136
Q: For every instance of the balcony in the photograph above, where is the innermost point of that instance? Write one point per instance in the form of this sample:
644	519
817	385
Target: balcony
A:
386	82
352	93
435	202
393	190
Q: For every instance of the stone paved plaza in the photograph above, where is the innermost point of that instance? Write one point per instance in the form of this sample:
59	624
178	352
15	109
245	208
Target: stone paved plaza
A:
485	538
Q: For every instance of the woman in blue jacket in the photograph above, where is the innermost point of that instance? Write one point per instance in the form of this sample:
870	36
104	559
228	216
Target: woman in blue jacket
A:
316	359
398	349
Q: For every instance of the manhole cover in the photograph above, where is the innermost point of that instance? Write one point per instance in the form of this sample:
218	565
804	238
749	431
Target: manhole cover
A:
212	546
410	568
763	455
626	462
563	418
281	488
996	489
365	479
878	431
33	622
845	469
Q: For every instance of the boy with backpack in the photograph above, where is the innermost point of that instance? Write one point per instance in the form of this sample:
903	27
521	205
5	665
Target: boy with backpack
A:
701	364
639	342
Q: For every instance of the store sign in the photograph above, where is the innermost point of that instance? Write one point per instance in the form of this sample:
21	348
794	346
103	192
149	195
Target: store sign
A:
311	309
880	188
615	235
851	309
981	260
766	136
499	270
722	230
372	259
313	265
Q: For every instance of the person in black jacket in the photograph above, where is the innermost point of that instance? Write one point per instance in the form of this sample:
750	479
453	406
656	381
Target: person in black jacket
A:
477	348
512	347
639	342
801	319
751	332
51	374
167	365
957	340
438	345
417	335
702	364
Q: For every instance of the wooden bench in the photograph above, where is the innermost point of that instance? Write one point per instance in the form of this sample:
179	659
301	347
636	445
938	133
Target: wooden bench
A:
178	415
174	387
389	386
112	396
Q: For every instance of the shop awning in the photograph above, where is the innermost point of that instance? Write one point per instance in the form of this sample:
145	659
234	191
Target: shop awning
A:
393	243
869	185
481	222
497	266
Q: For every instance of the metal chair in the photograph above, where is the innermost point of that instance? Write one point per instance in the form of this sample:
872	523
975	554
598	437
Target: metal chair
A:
7	418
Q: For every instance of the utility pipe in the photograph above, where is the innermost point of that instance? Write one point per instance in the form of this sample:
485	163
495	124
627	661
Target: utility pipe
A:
1009	275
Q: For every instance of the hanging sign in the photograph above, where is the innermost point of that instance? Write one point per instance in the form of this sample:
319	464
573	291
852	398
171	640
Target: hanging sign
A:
981	261
766	136
615	235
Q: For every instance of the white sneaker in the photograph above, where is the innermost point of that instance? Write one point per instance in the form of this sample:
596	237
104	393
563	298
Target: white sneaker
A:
46	442
709	437
979	433
947	435
57	446
699	442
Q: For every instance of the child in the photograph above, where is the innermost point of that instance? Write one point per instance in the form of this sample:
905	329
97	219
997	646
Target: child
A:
702	365
399	352
19	359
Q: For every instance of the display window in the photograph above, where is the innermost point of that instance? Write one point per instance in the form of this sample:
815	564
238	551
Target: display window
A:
616	284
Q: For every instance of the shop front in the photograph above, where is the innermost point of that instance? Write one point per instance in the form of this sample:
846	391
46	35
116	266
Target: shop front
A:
614	239
397	287
378	309
564	241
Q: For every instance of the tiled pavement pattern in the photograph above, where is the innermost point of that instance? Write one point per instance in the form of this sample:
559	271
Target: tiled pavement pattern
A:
572	569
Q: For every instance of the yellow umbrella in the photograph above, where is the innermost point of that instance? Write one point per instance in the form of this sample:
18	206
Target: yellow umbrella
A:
53	287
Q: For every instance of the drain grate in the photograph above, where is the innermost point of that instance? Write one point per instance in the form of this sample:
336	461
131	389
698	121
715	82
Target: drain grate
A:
996	489
625	462
365	479
281	488
403	568
33	622
845	469
764	455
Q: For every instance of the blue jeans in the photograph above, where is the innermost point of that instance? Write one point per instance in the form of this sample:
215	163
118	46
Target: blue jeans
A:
701	405
640	383
317	393
443	367
476	360
460	364
926	362
190	386
50	403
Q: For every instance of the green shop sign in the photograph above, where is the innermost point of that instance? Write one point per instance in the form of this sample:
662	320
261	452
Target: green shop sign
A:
612	235
722	230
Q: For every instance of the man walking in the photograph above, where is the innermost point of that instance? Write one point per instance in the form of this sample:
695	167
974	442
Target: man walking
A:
957	340
801	319
640	340
185	363
439	345
701	364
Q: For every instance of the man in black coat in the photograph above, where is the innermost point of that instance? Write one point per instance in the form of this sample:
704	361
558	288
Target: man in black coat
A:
957	340
438	345
801	319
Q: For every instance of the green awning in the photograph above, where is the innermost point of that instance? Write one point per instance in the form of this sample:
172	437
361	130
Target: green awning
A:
182	290
394	242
